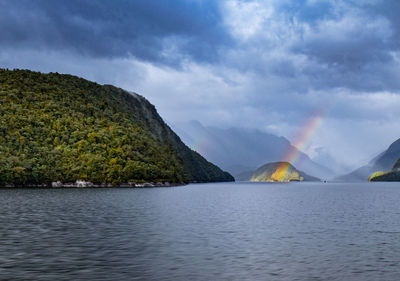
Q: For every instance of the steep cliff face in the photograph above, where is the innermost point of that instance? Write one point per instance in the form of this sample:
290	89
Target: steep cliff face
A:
63	128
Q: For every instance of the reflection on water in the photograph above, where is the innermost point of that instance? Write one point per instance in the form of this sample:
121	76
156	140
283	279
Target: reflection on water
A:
232	231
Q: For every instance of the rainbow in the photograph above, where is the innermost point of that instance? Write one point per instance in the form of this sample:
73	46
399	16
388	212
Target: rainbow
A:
301	140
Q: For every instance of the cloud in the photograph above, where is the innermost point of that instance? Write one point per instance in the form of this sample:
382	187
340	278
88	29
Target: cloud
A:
151	30
320	44
266	64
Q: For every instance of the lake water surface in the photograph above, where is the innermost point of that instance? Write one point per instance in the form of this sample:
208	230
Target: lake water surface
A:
224	231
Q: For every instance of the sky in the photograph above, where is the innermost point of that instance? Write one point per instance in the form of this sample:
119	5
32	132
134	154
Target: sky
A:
269	65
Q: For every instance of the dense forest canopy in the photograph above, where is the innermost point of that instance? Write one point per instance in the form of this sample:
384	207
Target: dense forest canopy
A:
63	128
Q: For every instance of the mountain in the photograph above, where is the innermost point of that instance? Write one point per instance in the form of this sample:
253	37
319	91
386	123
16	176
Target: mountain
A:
63	128
241	150
396	166
360	174
393	175
388	176
244	176
383	162
280	171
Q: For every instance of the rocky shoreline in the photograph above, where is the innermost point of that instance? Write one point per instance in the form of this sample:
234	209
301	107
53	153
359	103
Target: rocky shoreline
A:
86	184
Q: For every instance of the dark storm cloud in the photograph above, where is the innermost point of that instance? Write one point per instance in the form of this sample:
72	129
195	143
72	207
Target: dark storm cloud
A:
347	34
151	30
388	9
330	44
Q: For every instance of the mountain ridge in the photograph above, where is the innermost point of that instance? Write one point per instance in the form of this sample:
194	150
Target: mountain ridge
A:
62	128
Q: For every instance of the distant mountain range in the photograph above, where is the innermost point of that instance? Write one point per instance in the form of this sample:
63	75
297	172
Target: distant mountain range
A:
384	162
240	150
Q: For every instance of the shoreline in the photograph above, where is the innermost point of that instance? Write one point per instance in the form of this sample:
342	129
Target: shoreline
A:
84	184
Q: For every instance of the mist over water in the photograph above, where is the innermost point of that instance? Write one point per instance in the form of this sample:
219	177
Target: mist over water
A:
226	231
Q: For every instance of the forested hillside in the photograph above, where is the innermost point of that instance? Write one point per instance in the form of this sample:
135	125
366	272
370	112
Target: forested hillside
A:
281	172
63	128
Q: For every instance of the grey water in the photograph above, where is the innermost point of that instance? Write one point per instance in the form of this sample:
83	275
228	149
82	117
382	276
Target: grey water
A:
225	231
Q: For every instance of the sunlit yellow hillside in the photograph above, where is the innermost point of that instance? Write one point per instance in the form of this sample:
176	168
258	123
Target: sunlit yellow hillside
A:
280	172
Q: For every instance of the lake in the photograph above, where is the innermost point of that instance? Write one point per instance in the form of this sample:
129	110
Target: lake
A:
223	231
